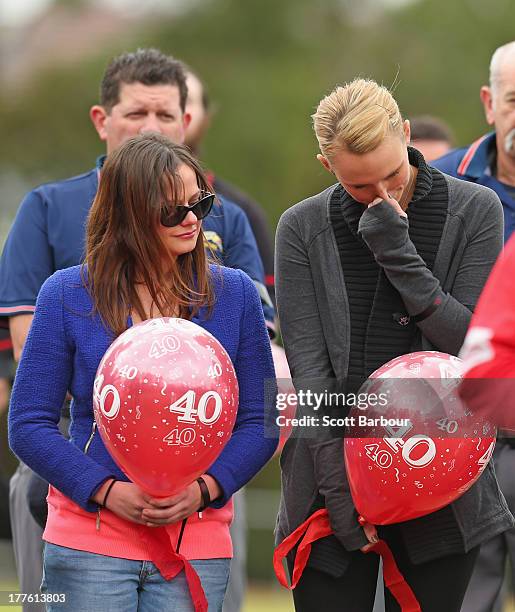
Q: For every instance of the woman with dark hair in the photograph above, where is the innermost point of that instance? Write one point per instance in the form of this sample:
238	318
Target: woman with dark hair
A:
391	259
144	258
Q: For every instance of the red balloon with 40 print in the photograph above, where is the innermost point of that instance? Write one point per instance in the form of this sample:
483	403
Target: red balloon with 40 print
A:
418	447
165	403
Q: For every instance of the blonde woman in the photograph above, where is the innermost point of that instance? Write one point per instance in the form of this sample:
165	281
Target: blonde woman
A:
389	260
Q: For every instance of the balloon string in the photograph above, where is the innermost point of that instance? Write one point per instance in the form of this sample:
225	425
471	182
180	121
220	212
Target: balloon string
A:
317	526
170	563
394	580
181	533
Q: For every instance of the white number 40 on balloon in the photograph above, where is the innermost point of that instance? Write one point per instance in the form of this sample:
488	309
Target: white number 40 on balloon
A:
101	395
185	406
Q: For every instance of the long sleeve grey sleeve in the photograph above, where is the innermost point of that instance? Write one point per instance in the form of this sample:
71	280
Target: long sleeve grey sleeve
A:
386	234
308	357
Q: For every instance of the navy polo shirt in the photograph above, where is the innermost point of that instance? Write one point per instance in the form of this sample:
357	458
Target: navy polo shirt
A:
473	164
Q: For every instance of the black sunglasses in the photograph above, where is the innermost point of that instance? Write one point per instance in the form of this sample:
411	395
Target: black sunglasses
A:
174	214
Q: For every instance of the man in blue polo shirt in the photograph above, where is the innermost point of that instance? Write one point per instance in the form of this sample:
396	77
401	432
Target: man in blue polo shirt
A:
490	161
48	232
140	92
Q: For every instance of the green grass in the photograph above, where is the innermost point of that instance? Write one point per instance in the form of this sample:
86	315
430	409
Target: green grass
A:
271	598
9	586
268	598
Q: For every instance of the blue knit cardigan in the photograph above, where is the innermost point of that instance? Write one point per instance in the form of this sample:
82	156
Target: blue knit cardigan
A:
63	349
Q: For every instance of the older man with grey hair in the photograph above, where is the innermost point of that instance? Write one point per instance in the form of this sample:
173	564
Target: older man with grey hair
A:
490	161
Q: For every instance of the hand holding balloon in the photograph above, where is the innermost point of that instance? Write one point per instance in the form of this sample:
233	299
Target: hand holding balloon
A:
163	511
371	533
126	500
129	502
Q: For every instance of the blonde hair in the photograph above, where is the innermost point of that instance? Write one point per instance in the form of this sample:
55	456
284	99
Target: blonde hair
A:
356	117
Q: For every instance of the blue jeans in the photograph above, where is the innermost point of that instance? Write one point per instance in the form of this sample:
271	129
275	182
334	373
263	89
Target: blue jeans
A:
96	583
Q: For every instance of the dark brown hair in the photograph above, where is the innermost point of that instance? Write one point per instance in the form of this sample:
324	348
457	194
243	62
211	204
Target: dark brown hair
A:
427	127
122	244
147	66
205	98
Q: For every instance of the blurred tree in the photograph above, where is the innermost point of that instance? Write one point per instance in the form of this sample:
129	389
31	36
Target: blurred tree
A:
267	64
75	4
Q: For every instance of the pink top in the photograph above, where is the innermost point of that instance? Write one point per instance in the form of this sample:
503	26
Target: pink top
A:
71	526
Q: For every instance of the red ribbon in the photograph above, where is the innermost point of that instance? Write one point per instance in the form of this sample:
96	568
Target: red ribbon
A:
315	527
170	563
394	580
6	344
318	526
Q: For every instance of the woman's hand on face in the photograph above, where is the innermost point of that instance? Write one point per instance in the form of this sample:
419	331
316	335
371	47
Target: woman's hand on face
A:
392	202
371	533
166	510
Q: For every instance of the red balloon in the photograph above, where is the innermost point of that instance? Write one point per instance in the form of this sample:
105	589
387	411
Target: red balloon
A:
418	448
165	402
